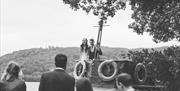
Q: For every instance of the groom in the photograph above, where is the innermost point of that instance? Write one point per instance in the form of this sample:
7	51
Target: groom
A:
57	80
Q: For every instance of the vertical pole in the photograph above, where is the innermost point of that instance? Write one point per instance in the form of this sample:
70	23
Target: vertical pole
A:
100	32
98	43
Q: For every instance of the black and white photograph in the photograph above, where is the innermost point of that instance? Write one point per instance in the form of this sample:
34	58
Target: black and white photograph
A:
89	45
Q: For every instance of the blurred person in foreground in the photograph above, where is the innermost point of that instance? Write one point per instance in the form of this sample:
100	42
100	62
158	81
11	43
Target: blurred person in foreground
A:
83	84
58	79
11	78
124	82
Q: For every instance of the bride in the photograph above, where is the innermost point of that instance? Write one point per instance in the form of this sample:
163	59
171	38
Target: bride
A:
84	49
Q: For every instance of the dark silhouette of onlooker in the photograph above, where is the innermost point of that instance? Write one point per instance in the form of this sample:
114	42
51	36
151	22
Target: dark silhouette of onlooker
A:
83	84
58	79
124	82
11	78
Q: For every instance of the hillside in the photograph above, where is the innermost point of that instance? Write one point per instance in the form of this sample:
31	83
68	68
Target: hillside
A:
35	61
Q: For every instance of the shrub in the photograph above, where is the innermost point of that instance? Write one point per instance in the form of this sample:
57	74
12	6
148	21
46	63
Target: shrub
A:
166	64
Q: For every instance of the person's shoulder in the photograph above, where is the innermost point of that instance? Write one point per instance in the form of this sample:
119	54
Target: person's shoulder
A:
46	74
20	81
83	80
17	83
49	72
130	89
1	84
69	76
53	72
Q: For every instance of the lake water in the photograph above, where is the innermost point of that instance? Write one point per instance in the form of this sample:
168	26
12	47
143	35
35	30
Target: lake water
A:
33	86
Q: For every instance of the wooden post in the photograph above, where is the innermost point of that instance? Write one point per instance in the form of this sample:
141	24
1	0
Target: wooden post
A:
98	43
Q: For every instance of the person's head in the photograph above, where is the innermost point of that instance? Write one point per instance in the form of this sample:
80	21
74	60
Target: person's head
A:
84	41
91	41
124	80
11	72
83	84
61	60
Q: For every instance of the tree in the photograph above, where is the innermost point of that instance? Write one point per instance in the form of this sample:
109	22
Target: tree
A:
159	18
164	65
100	8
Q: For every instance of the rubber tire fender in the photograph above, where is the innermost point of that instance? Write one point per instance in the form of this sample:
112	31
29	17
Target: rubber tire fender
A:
136	75
76	76
103	77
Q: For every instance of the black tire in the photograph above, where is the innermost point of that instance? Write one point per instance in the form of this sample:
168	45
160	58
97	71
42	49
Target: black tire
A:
140	73
111	70
79	69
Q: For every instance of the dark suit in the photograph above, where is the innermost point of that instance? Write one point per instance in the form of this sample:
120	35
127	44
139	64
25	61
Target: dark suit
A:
91	52
57	80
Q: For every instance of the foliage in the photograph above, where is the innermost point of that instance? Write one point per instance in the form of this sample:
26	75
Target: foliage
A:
160	18
102	8
165	65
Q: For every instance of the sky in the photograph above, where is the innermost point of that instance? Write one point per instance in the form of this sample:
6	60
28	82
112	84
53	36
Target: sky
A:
28	24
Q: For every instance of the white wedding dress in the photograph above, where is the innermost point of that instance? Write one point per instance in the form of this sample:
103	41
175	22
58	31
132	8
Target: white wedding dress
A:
84	55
